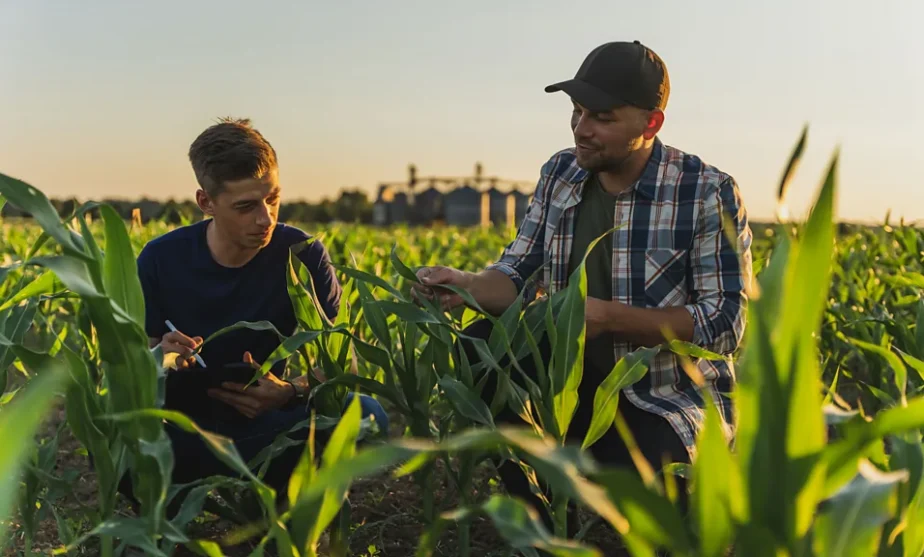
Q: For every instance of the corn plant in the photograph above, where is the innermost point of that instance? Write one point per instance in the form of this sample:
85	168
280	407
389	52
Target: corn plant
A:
827	459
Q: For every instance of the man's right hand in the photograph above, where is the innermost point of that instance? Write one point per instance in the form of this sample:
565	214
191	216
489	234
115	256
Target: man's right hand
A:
178	343
431	279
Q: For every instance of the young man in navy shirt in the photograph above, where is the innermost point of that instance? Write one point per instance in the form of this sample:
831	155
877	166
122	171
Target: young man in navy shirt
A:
228	268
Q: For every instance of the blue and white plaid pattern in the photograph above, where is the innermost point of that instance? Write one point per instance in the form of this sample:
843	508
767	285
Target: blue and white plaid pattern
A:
672	248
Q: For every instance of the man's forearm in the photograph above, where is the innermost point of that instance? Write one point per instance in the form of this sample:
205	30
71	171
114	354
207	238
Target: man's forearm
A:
493	290
643	326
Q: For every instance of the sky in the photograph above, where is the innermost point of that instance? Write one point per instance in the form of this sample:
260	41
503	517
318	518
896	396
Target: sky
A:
101	99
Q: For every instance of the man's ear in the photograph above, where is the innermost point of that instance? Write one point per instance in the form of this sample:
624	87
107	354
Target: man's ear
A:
653	123
205	203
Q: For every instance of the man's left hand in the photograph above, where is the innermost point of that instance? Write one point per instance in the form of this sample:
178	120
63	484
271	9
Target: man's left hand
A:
267	393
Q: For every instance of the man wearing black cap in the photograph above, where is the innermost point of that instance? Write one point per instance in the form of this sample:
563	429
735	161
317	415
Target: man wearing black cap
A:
679	259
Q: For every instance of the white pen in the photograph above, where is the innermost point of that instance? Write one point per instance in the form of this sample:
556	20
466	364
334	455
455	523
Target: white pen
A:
197	356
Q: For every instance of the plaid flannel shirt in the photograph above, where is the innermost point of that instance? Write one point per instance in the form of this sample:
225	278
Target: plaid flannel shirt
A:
671	249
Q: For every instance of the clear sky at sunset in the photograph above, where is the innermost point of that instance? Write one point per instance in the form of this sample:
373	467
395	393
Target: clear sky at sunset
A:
102	98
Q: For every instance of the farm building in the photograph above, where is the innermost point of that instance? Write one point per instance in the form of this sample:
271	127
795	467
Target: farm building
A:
428	206
500	207
390	206
465	206
455	201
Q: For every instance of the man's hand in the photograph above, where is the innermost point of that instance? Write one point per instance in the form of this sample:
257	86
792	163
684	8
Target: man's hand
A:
182	345
598	317
268	393
433	277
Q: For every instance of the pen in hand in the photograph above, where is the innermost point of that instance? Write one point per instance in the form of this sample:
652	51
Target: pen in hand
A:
196	355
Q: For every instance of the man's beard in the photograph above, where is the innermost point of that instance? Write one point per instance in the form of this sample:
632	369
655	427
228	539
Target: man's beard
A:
598	162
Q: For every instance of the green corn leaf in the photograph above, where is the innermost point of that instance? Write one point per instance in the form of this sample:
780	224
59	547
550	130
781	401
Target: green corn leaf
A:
373	354
627	371
250	325
899	369
718	491
908	455
205	547
692	350
919	331
27	198
402	269
375	317
652	516
131	531
73	272
466	401
96	259
850	522
406	311
120	274
222	447
912	362
18	422
37	245
307	311
43	284
567	368
791	166
364	277
372	386
310	519
13	326
288	347
760	436
82	412
779	441
521	527
843	455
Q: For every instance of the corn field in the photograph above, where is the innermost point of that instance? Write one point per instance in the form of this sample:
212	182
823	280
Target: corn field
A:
828	459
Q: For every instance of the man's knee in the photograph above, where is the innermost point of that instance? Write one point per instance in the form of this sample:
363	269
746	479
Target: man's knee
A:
371	408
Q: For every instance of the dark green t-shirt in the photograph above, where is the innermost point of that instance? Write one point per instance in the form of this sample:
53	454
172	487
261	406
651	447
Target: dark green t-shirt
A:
594	215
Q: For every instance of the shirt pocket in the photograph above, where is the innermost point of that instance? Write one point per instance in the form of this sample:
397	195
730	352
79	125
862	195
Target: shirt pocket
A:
665	277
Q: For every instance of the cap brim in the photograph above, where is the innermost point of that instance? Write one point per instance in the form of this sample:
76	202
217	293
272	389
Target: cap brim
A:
586	95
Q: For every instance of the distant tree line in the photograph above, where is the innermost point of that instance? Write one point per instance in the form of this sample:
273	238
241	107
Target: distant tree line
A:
351	206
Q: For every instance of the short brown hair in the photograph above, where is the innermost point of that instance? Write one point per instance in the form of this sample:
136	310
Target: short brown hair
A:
230	150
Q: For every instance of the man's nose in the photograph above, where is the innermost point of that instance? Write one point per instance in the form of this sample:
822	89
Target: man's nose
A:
263	216
580	127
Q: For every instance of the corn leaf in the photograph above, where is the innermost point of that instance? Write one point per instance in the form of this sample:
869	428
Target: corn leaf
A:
18	422
466	402
43	284
120	275
792	165
25	197
851	521
521	527
652	516
718	496
627	371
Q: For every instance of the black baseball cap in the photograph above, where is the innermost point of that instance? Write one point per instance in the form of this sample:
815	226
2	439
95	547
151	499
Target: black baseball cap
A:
618	74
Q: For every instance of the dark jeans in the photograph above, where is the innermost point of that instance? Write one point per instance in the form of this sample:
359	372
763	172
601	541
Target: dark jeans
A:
194	460
652	433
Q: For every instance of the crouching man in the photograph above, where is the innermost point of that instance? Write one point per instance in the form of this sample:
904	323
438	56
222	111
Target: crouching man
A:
679	259
227	268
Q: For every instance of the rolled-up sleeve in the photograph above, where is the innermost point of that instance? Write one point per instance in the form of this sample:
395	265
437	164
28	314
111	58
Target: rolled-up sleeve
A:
523	257
721	270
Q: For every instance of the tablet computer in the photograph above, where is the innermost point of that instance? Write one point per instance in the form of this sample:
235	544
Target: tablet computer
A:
186	389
